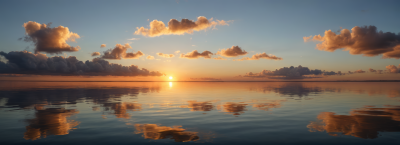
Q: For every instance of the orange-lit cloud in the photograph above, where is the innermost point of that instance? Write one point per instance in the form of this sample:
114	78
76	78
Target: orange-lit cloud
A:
232	52
102	45
260	55
155	132
24	62
51	121
166	55
158	28
363	123
95	53
233	108
50	40
299	72
194	54
393	69
119	52
176	52
361	40
268	105
150	57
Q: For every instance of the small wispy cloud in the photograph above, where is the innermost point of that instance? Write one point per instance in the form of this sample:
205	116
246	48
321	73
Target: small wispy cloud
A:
134	39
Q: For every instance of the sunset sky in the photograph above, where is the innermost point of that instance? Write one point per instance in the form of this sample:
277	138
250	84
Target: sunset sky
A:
200	40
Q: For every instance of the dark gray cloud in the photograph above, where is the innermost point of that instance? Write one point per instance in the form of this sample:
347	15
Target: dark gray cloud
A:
292	73
23	62
50	40
361	40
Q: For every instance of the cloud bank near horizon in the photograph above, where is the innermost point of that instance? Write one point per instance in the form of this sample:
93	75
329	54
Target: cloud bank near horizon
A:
24	62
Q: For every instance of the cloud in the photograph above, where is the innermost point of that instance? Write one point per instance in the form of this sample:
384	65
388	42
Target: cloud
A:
359	71
306	39
393	69
362	123
260	55
194	54
119	52
120	109
199	106
95	53
50	40
232	52
155	132
361	40
177	51
291	73
219	58
134	39
23	62
166	55
102	45
375	71
158	28
150	57
206	79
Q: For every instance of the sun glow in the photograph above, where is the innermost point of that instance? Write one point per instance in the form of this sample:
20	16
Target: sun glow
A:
170	77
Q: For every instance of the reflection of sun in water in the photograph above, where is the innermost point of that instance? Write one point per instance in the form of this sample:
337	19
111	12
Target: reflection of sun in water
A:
170	84
170	77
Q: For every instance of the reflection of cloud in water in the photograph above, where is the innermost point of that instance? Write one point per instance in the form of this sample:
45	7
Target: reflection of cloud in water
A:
362	123
290	89
120	109
267	106
51	121
234	108
199	106
155	132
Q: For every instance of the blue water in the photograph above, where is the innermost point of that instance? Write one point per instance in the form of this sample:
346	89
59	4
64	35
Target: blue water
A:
199	113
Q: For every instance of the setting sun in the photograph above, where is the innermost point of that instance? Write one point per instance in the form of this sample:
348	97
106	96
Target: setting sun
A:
170	77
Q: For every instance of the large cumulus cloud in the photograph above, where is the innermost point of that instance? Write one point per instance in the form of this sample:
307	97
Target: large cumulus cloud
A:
158	28
119	51
23	62
232	52
260	55
291	73
50	40
195	54
361	40
393	69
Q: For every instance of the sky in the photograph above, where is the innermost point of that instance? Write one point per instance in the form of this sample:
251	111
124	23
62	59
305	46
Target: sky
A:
235	40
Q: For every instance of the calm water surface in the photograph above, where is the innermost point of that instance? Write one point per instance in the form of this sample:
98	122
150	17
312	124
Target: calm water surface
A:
199	113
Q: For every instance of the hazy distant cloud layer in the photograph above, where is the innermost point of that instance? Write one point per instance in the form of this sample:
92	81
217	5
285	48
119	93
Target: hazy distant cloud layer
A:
166	55
359	71
361	40
232	52
119	51
102	45
219	58
150	57
205	79
291	73
393	69
23	62
194	54
50	40
375	71
95	53
260	55
158	28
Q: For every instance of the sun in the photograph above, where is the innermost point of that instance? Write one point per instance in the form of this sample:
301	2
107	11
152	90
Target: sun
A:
170	77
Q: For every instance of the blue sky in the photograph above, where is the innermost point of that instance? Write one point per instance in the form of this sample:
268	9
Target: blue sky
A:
274	27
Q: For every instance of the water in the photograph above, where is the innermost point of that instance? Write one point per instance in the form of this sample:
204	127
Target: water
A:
199	113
